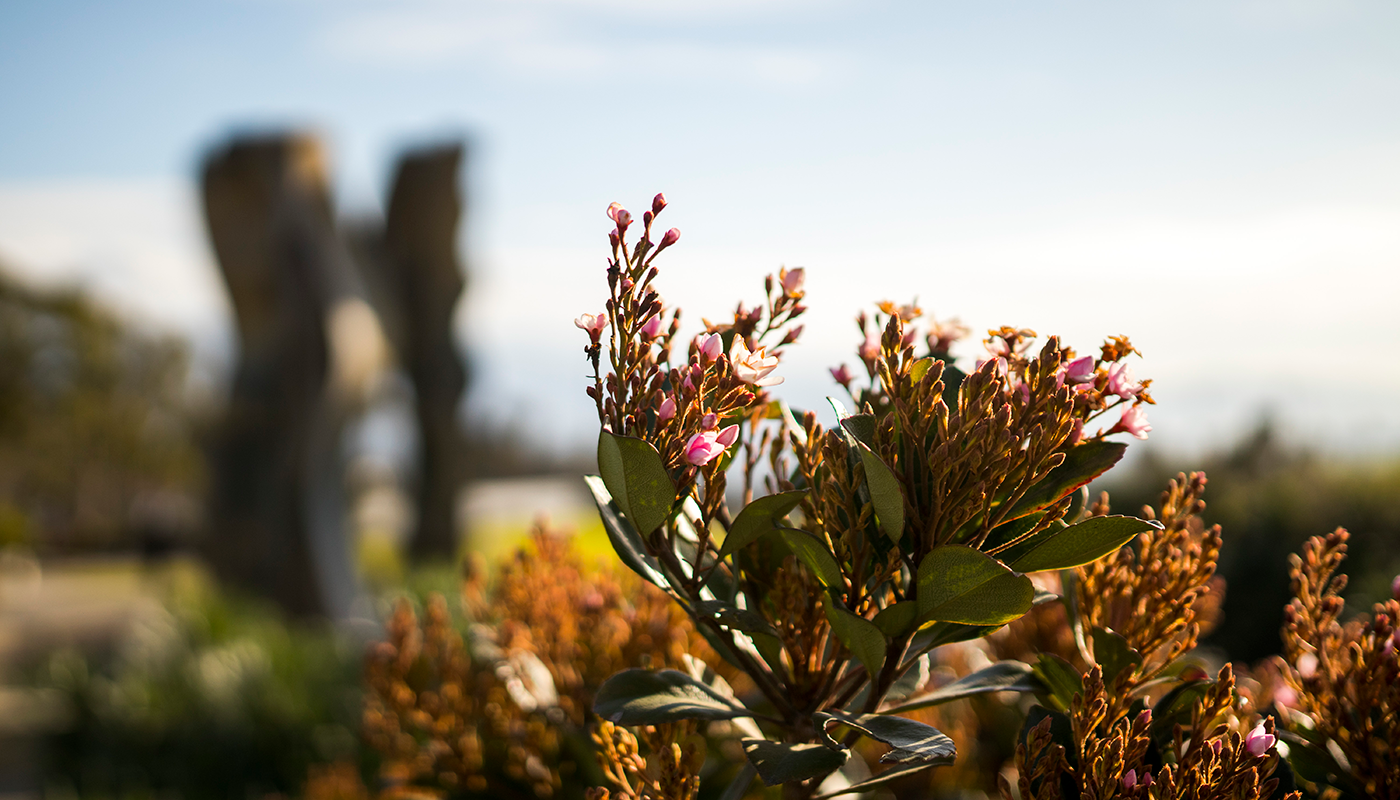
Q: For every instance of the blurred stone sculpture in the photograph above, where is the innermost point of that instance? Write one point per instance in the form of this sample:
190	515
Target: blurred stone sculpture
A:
277	507
415	279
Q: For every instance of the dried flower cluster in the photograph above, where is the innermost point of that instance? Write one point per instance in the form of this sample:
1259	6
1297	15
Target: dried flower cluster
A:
1343	707
494	717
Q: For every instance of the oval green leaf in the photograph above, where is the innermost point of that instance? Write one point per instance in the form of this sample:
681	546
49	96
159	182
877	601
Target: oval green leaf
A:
885	493
634	473
812	551
897	619
643	697
1082	543
1082	464
913	742
758	518
626	543
779	763
960	584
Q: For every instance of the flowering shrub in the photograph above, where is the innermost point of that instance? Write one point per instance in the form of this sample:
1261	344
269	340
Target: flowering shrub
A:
909	526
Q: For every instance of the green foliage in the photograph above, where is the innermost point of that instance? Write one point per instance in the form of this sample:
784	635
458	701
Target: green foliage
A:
644	697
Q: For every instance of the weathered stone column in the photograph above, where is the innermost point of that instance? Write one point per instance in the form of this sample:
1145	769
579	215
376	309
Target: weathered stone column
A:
276	509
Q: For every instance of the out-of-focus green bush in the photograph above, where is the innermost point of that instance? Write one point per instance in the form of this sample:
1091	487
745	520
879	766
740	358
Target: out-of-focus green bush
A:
209	697
1269	497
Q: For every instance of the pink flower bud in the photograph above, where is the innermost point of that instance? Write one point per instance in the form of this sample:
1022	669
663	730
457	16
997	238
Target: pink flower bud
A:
657	203
647	217
728	436
842	375
711	346
1134	421
1395	588
709	422
793	279
1285	696
1130	779
672	236
1257	743
870	348
666	410
1216	746
652	328
612	211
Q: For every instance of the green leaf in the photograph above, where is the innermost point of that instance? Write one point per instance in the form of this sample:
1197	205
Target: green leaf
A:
860	636
812	551
758	518
885	493
1003	676
625	541
861	427
896	620
960	584
633	469
912	741
643	697
1177	707
779	763
1113	654
1081	543
1082	464
893	774
921	368
1061	681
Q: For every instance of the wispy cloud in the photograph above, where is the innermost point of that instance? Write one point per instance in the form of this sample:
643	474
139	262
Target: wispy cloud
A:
572	39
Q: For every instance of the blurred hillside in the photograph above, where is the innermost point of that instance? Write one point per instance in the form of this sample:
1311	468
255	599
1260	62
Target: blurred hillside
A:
1269	496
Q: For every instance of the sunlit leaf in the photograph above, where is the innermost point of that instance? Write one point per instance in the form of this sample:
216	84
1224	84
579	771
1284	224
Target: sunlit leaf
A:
1060	680
960	584
893	774
625	541
1080	544
633	469
1082	464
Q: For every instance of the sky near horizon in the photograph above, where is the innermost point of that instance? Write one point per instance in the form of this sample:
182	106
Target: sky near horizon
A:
1216	179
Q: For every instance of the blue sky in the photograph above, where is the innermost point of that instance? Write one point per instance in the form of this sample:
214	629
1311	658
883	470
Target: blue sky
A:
1217	179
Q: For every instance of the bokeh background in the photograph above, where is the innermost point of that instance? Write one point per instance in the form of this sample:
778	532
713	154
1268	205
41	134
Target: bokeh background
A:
1215	179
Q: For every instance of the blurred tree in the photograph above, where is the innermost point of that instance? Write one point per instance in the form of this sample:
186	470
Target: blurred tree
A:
97	432
1270	497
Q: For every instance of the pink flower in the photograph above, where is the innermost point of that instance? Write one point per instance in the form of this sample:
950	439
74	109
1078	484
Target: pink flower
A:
618	214
842	375
652	328
752	368
1134	421
706	446
1258	742
657	203
666	410
1079	370
711	346
1121	383
793	279
998	347
1130	779
1285	696
592	323
709	422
